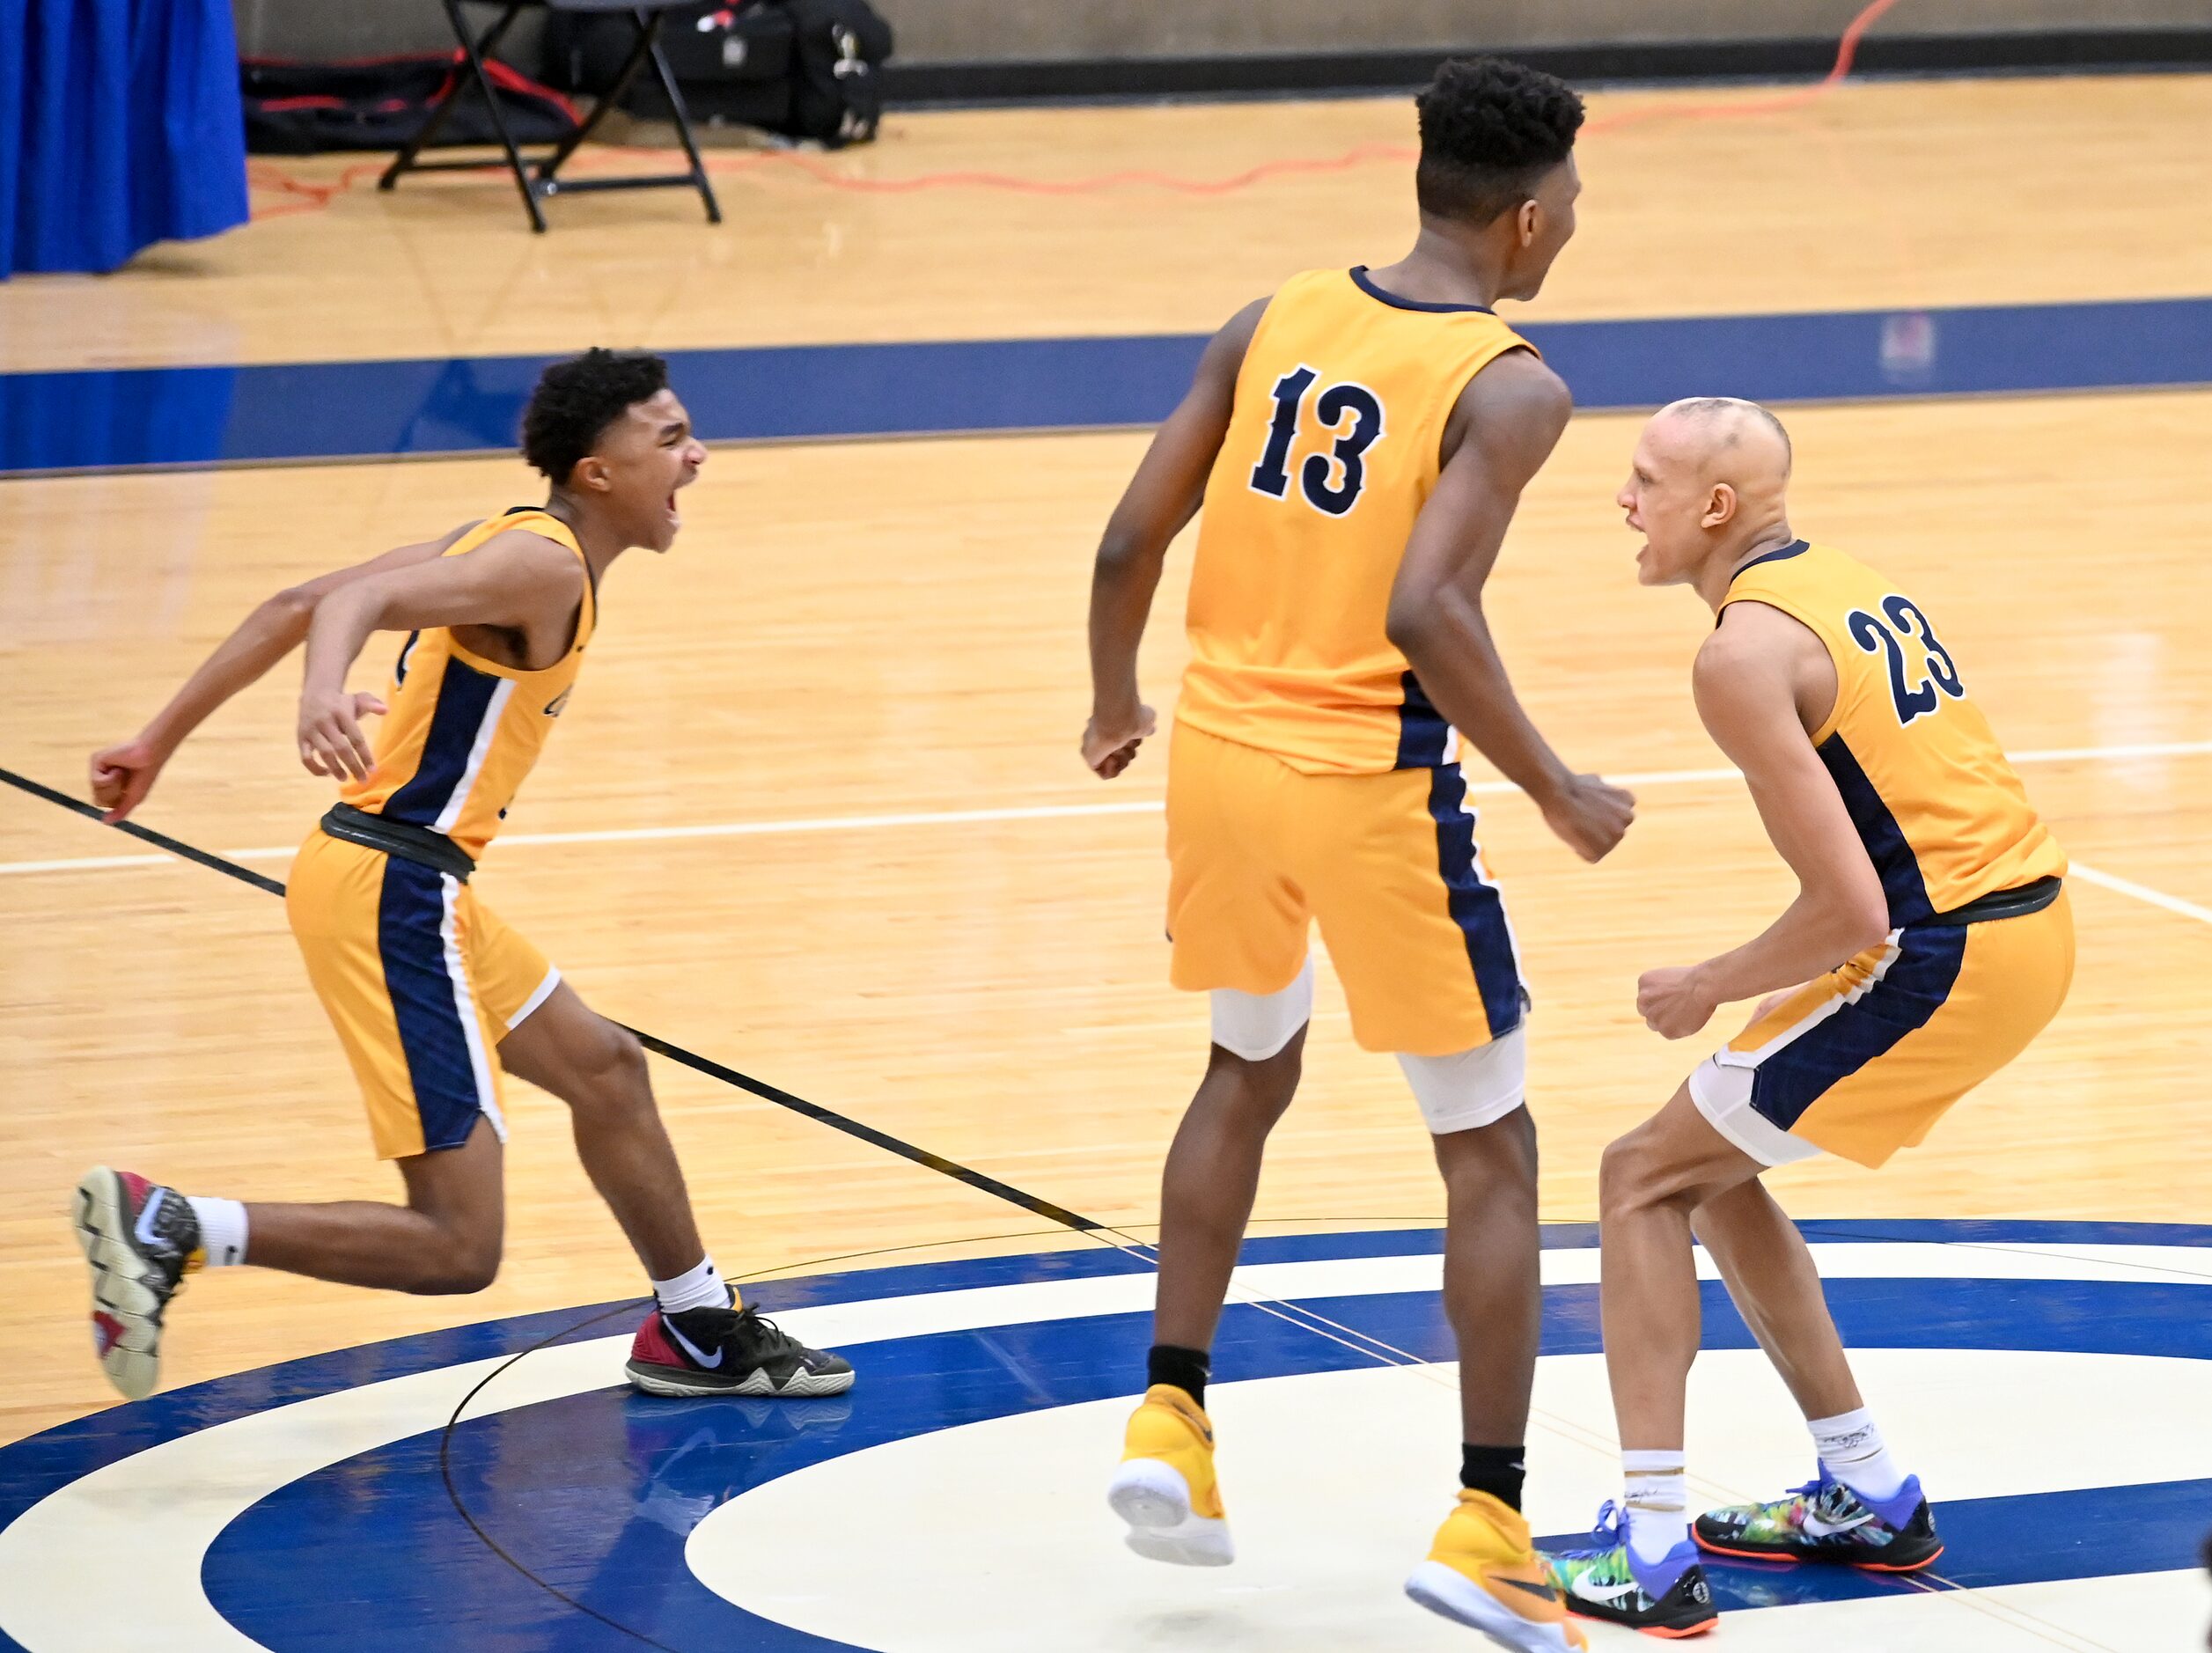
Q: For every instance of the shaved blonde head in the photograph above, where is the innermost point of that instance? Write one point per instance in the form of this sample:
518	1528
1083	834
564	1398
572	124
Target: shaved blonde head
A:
1709	482
1730	436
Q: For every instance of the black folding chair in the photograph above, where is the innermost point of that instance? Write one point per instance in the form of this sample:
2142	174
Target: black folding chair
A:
539	180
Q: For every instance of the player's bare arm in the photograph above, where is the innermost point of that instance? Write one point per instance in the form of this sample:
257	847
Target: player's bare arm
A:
121	776
1159	502
517	583
1508	421
1760	678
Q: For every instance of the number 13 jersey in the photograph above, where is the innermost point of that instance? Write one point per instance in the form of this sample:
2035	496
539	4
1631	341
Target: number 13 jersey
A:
1331	454
1944	817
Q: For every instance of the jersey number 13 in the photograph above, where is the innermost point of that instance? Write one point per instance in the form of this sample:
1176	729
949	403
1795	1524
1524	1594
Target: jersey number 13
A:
1330	481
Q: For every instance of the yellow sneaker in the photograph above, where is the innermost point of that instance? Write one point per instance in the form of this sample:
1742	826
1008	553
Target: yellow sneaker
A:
1482	1573
1166	1488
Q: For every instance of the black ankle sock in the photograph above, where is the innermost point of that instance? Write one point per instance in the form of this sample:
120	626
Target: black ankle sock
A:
1496	1470
1187	1369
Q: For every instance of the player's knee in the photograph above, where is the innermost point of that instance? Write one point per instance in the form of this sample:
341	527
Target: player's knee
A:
1633	1175
460	1265
612	1070
1624	1173
1263	1087
1259	1040
468	1276
626	1061
1490	1161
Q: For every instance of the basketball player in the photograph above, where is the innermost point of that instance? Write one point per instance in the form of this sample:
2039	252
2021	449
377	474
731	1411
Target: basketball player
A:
1933	937
430	994
1359	441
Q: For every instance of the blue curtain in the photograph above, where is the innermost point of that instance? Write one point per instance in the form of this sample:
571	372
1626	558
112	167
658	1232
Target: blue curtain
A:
120	126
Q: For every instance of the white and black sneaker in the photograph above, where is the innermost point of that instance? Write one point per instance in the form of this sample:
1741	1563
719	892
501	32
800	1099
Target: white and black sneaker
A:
728	1352
139	1239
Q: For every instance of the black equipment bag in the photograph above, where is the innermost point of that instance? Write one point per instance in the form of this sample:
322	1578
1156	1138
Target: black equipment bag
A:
294	108
839	46
805	69
732	62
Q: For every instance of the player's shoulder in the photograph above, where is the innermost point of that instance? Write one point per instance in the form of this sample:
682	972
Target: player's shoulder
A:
1743	678
1237	331
1309	286
1514	404
447	542
1322	300
1518	382
1752	647
1299	292
528	550
520	526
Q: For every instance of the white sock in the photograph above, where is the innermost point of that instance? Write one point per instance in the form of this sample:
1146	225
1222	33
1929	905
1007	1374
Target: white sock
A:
221	1230
1658	1502
700	1288
1855	1454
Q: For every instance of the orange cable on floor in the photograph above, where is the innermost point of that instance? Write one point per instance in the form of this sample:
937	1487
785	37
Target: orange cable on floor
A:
311	197
1847	54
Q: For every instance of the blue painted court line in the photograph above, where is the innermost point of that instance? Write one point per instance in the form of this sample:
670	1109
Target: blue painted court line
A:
597	1492
611	1525
135	417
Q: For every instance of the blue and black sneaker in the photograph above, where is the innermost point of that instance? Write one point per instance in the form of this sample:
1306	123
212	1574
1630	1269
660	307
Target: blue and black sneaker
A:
1670	1598
1824	1520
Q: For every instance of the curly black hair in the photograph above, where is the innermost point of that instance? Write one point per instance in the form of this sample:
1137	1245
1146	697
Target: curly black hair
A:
577	400
1489	130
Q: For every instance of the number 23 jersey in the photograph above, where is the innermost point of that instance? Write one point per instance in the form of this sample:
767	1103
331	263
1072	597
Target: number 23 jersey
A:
1332	451
1944	817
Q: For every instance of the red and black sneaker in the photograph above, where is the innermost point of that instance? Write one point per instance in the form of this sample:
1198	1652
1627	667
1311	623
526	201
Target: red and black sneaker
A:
140	1241
728	1352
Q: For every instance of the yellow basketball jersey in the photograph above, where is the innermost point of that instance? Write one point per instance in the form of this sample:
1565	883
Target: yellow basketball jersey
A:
1944	817
463	732
1332	451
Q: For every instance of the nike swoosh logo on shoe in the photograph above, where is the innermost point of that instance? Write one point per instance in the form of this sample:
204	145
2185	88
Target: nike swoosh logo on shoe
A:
1815	1527
698	1356
144	1232
1200	1430
1542	1591
1607	1593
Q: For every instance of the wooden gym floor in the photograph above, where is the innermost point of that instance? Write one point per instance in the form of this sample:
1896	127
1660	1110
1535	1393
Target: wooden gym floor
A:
851	632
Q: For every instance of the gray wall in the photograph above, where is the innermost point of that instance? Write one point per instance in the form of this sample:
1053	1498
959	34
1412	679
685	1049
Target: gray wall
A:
938	31
320	32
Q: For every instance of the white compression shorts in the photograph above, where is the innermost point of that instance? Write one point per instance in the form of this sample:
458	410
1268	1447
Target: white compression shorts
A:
1459	1092
1473	1088
1257	1025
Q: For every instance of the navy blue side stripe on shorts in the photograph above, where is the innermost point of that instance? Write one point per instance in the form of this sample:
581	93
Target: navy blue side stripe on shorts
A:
1910	992
427	1002
1476	907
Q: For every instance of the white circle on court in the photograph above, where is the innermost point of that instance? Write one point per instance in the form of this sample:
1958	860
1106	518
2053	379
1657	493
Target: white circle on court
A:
994	1537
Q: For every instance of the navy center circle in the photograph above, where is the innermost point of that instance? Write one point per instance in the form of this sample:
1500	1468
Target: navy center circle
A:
595	1494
